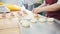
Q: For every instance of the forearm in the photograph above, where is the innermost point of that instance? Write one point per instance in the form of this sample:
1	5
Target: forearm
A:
51	8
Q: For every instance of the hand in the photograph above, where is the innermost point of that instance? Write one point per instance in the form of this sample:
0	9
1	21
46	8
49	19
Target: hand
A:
36	10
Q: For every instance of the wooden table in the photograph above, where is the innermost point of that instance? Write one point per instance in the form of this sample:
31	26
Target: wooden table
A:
9	28
10	31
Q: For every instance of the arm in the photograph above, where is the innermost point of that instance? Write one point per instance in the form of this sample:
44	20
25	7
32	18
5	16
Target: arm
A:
51	8
38	8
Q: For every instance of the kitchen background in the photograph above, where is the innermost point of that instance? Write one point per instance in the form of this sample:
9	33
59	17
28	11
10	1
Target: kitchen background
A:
19	1
29	4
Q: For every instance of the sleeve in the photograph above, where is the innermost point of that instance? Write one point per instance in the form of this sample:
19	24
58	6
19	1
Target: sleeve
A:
58	2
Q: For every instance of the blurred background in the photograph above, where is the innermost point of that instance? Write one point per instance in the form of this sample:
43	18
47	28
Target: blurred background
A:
28	4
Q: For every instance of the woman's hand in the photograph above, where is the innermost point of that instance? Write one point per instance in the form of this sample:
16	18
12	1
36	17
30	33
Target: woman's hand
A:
36	10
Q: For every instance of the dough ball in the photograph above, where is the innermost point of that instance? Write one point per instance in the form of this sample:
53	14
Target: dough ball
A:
50	19
42	20
25	24
33	20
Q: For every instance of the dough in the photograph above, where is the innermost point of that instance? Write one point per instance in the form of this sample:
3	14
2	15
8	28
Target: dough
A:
25	24
50	19
42	20
33	20
36	16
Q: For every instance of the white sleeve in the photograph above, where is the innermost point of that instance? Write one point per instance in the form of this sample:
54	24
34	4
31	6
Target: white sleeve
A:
58	2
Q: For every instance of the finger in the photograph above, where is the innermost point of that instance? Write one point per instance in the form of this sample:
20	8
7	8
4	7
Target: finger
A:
34	11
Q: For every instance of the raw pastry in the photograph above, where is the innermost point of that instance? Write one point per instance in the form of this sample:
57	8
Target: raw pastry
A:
11	15
42	20
50	19
34	20
4	15
25	24
8	16
36	16
24	12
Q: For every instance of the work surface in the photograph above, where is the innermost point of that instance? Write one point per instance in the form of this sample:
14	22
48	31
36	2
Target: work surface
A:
15	27
7	27
37	28
10	31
